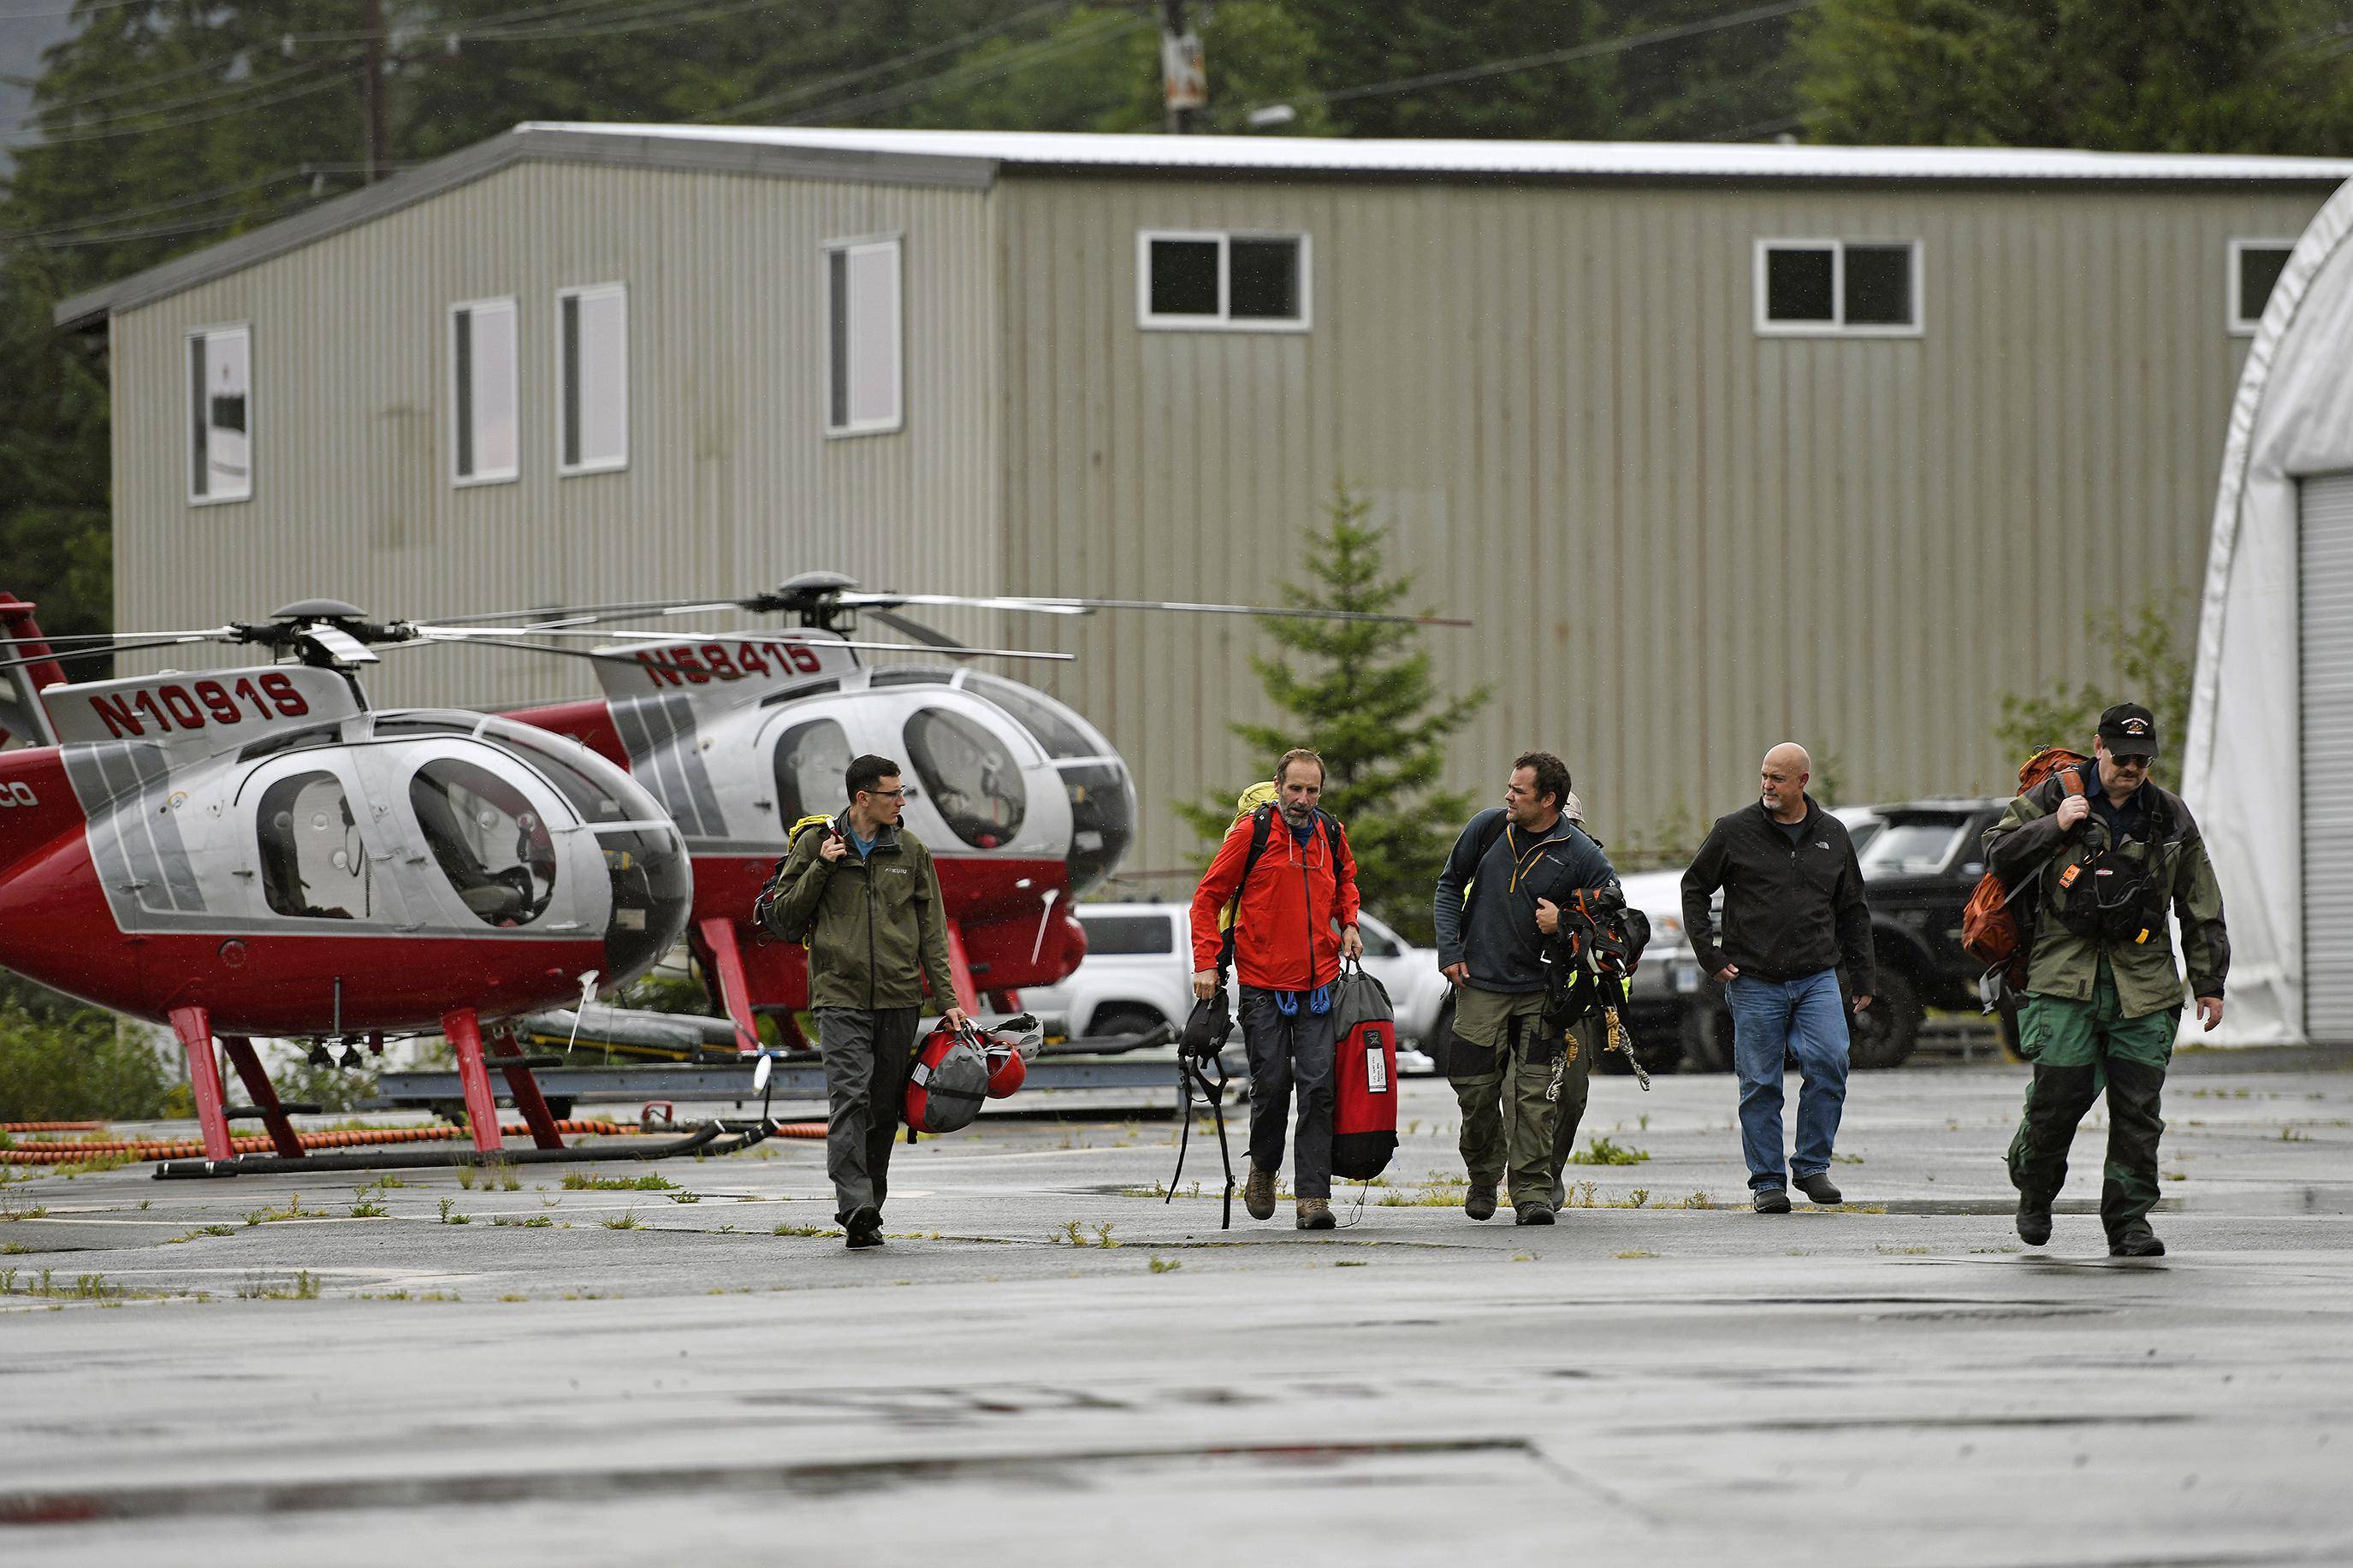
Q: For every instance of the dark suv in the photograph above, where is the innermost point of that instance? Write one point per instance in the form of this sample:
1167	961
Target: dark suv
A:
1918	872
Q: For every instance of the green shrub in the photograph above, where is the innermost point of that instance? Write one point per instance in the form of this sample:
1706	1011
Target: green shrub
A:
61	1061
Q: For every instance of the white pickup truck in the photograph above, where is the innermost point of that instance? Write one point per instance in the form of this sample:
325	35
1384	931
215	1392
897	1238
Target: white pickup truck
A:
1138	974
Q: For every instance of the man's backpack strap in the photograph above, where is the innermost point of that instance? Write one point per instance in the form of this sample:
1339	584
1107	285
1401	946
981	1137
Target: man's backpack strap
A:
2071	781
1486	841
1261	828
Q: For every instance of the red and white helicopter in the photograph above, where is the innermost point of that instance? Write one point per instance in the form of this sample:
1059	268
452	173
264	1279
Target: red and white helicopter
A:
1024	804
257	852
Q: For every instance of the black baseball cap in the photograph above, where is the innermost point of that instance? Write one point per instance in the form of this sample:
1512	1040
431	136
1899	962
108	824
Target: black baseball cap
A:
2130	731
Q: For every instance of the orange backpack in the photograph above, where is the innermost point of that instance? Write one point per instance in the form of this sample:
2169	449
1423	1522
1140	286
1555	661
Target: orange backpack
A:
1991	931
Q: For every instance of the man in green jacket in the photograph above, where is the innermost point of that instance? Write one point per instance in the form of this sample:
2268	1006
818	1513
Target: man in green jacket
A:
2101	861
860	894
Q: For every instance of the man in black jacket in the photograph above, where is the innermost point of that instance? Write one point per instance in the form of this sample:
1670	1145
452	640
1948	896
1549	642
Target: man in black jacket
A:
1507	874
1793	914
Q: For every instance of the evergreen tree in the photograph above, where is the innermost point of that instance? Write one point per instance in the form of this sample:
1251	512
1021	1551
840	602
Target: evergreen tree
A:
1361	693
1365	42
2181	76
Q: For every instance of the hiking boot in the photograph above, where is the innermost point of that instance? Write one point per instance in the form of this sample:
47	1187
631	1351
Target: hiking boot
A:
2139	1242
864	1229
1258	1193
1533	1212
2034	1220
1771	1200
1315	1214
1479	1202
1820	1189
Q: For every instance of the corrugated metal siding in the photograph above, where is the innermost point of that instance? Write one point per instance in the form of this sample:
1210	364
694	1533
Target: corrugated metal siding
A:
731	484
1682	542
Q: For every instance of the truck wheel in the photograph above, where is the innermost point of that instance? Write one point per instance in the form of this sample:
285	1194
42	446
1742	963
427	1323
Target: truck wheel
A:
1125	1020
1882	1034
1706	1033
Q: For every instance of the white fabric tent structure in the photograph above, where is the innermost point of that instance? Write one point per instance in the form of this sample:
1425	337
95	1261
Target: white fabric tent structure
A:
2268	766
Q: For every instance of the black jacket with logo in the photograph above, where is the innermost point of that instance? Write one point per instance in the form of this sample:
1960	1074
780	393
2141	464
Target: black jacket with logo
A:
1789	911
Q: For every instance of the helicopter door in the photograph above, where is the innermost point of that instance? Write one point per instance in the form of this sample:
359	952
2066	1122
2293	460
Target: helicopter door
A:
811	758
968	774
487	842
307	854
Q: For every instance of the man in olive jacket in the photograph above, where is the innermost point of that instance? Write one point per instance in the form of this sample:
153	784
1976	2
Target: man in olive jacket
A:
2107	858
861	896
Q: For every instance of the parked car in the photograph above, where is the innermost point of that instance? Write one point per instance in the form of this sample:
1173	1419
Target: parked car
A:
1918	874
1138	974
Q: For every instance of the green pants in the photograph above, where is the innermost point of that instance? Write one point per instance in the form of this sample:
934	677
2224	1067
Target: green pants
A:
2076	1046
1502	1064
1586	1041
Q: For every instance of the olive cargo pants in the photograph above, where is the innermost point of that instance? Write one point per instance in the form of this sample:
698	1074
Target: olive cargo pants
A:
2075	1046
1501	1064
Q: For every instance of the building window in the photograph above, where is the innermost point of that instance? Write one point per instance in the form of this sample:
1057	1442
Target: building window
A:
863	395
220	414
2256	268
1217	281
483	393
1838	287
592	374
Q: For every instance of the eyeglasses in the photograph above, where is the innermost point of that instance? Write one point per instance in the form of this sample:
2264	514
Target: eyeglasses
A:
899	794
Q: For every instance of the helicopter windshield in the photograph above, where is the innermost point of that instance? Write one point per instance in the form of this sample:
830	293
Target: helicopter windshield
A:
311	863
811	757
971	778
486	839
1061	731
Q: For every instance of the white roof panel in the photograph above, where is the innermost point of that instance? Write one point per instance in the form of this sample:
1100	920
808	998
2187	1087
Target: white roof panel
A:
1609	159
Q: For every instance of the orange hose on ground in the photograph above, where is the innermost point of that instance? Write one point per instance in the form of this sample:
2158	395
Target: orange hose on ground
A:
64	1153
50	1126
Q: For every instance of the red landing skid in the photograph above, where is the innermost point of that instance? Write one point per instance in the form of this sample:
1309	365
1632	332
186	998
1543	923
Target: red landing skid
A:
464	1031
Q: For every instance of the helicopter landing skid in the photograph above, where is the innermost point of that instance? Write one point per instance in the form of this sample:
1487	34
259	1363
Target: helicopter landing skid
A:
719	1137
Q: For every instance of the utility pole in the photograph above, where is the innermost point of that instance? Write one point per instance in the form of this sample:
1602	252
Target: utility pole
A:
371	87
1184	78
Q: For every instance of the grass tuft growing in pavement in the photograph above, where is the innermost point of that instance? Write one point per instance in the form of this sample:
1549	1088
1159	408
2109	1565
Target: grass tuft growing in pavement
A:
627	1220
304	1287
651	1182
1601	1149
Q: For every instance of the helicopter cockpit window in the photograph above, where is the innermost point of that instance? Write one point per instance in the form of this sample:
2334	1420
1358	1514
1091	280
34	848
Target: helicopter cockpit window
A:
487	840
968	775
569	767
911	675
1045	718
811	757
312	865
291	741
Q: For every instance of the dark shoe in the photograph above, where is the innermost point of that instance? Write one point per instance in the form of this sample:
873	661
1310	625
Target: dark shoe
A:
2034	1220
1771	1200
2141	1243
864	1229
1532	1213
1479	1202
1258	1193
1819	1188
1315	1214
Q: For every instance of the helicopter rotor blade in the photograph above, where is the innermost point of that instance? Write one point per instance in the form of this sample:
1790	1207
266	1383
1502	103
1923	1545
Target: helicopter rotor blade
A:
906	626
1065	607
877	602
78	640
630	659
503	636
567	614
68	655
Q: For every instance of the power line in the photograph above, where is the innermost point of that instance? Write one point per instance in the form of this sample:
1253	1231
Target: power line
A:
807	89
63	138
1557	57
198	199
973	74
211	95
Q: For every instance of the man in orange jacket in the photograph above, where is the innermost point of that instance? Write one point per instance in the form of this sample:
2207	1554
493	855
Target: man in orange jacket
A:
1295	920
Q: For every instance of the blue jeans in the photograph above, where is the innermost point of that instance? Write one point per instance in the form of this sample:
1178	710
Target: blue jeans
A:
1770	1018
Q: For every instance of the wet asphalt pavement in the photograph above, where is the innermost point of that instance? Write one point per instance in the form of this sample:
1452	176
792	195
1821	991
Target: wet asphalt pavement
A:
1049	1366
